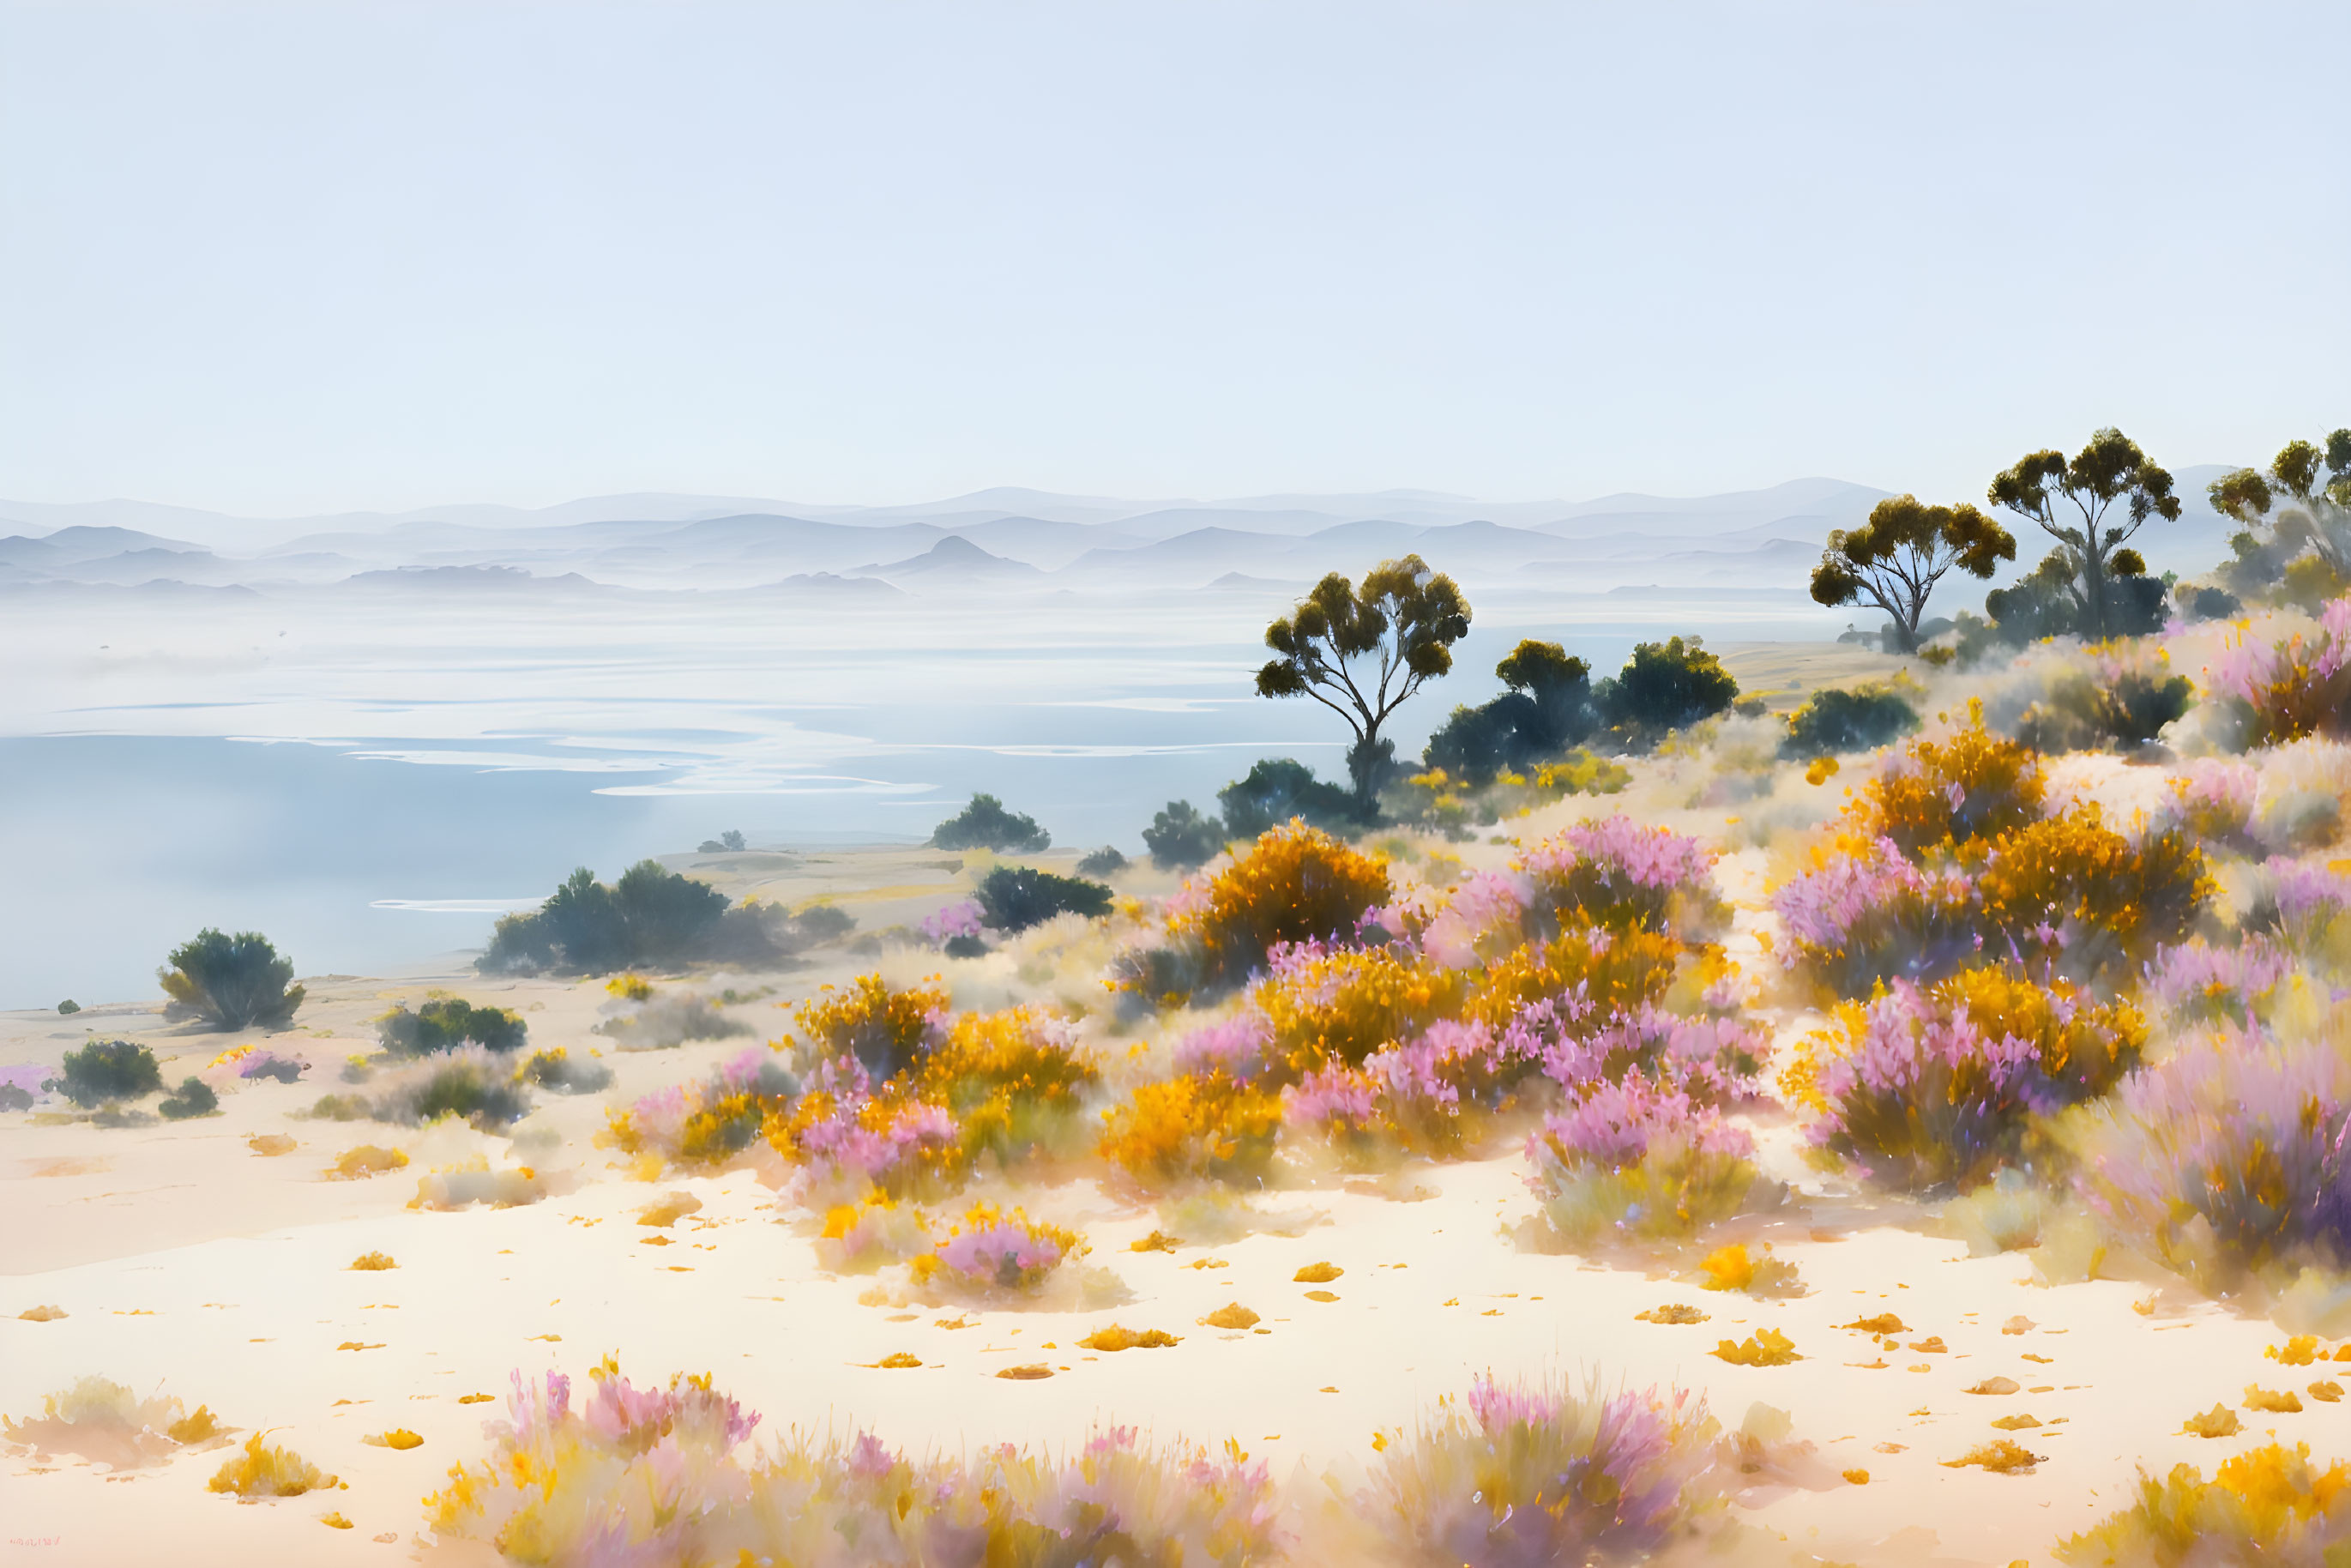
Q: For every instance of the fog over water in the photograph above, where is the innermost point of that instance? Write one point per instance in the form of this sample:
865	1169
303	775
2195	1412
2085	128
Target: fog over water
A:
368	776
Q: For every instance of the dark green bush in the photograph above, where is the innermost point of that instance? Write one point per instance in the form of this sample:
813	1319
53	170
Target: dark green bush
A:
108	1070
726	842
1861	719
447	1022
649	916
2200	601
230	982
1104	861
1547	710
1278	788
68	1005
985	824
1014	898
1180	839
1666	685
465	1086
2051	603
194	1097
821	923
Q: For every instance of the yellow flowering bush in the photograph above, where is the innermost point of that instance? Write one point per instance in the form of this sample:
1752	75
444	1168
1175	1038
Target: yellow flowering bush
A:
1971	785
1295	883
1197	1125
1341	1006
1014	1081
2269	1504
884	1028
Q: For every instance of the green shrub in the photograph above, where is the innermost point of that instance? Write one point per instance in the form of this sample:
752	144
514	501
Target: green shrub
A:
447	1022
230	982
556	1069
469	1084
68	1007
1547	708
823	922
1668	685
2050	602
1861	719
108	1070
194	1097
985	824
1104	861
1278	788
1180	839
727	842
1014	898
649	916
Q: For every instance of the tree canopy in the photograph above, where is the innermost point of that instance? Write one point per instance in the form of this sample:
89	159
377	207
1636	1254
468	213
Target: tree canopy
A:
2073	500
2310	487
1895	559
1362	650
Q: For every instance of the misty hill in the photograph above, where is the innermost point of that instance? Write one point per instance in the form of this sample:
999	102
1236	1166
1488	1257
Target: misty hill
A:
954	562
1013	541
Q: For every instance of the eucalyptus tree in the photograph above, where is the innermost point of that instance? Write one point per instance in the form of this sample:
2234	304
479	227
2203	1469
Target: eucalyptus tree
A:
2074	501
1895	560
1362	650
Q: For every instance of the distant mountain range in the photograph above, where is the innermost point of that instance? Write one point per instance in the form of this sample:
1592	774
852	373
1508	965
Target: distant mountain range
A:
1003	540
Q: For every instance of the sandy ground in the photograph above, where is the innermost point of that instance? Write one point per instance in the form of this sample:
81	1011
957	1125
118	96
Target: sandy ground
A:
189	1262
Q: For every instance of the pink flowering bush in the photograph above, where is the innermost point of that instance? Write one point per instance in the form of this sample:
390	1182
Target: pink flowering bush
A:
1514	1475
24	1083
2196	984
990	1251
1863	914
851	1136
1924	1087
1614	874
1634	1161
2286	690
2304	906
1712	1061
2225	1157
1237	1047
652	1477
963	919
1619	873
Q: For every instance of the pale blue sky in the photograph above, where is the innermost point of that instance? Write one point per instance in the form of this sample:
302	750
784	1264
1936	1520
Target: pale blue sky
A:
291	257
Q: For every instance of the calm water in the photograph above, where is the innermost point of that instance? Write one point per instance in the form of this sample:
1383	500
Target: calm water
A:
130	817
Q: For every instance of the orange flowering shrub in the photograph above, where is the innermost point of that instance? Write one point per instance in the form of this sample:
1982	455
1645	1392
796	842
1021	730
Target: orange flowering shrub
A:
2269	1504
1014	1081
1201	1124
1296	883
1341	1006
1609	972
886	1030
1972	785
2102	897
